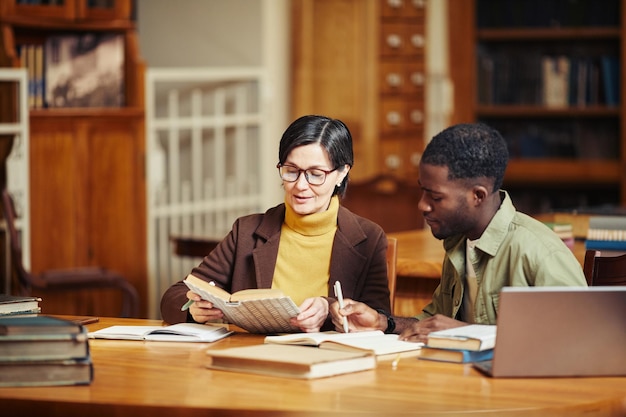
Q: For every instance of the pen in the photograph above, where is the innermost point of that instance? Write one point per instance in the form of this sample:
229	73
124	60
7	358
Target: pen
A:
339	296
190	302
187	305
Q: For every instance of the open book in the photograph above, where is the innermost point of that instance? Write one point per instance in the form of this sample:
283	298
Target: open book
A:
471	337
181	332
302	362
384	346
258	310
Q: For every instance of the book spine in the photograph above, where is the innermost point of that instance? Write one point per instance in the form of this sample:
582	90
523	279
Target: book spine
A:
618	245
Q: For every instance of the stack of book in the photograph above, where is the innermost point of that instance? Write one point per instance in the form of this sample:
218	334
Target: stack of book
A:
43	350
606	233
15	304
464	344
563	230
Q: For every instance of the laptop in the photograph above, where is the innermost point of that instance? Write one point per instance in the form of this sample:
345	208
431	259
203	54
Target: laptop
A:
559	332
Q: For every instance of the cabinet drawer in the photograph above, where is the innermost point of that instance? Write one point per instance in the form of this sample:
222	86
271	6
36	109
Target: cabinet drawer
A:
400	39
401	77
407	9
399	115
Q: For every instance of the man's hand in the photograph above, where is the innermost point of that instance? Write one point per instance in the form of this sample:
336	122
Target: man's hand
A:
417	331
360	316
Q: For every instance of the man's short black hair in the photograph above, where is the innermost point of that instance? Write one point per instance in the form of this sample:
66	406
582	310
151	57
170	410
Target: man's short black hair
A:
469	151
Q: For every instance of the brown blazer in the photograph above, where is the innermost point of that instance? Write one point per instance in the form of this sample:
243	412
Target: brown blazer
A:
247	256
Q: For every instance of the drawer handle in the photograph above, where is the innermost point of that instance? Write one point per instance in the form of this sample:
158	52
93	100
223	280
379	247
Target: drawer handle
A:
417	41
396	4
417	116
419	4
394	118
417	78
394	79
394	41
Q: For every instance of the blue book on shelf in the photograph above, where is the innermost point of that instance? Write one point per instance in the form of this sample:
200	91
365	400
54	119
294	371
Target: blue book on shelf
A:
610	79
455	355
618	245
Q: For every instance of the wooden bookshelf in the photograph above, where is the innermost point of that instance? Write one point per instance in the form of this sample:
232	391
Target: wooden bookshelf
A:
87	180
576	154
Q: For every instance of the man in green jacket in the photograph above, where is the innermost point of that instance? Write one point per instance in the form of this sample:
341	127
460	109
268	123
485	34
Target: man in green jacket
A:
489	245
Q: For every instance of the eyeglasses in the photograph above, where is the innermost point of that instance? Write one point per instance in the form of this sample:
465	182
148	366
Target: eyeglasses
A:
313	176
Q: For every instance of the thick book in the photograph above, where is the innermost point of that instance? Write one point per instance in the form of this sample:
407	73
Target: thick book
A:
46	373
37	325
455	355
44	346
384	346
15	304
181	332
258	310
470	337
302	362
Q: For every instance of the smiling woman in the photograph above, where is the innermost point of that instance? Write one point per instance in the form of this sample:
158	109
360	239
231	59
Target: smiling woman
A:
302	246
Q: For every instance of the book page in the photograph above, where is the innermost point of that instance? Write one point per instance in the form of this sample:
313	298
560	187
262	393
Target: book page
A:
265	315
383	344
315	338
123	332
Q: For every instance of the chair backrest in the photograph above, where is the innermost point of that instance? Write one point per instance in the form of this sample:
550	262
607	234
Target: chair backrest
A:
605	269
392	258
8	208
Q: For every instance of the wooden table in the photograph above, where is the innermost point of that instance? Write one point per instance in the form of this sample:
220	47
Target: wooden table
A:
169	379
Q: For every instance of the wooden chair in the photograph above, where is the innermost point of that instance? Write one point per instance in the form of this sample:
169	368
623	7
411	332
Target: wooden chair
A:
392	258
85	278
604	269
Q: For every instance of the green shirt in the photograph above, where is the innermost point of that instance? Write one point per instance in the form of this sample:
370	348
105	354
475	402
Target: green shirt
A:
515	250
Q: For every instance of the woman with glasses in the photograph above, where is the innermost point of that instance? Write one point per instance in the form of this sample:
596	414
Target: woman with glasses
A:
303	245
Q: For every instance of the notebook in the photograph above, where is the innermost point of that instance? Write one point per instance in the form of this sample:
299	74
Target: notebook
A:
559	332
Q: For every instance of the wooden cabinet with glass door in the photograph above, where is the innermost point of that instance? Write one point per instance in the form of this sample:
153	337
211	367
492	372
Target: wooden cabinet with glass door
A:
87	185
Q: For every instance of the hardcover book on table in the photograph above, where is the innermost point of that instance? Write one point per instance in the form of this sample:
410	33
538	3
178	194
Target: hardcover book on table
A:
14	304
384	346
455	355
471	337
46	373
181	332
303	362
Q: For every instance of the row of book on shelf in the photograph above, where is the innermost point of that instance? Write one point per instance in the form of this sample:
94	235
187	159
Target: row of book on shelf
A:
556	81
77	70
600	232
547	13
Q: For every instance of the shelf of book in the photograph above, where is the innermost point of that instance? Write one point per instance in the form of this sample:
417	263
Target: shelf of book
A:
550	79
86	136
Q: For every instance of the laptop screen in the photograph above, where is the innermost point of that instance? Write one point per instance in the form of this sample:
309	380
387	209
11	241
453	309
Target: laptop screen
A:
560	331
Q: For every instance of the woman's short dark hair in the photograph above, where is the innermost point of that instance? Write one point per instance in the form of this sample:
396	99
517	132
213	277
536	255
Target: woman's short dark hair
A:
332	134
469	151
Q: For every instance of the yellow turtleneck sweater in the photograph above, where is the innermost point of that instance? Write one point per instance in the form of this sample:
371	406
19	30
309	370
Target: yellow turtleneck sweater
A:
303	264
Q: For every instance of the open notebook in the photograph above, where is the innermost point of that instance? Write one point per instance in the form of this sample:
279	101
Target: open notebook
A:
559	331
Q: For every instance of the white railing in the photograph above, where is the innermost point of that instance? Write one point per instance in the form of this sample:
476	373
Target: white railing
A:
17	166
206	161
